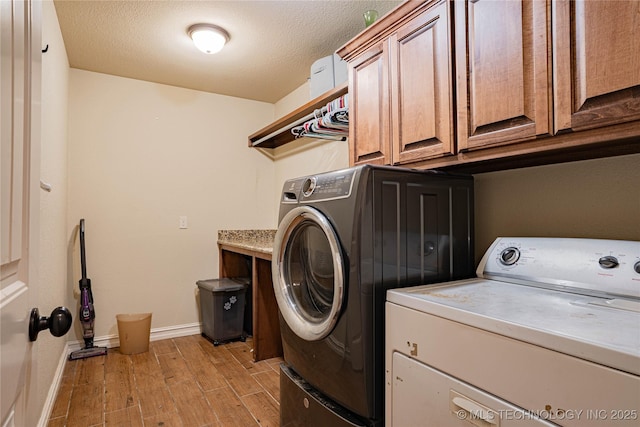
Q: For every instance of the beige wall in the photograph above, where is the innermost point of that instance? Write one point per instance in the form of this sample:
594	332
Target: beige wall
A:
590	199
140	156
54	286
143	154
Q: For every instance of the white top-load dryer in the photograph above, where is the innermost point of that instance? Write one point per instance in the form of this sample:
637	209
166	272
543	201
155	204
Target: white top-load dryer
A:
548	334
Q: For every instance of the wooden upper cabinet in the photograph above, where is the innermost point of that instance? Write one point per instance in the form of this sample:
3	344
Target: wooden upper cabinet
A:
421	87
401	86
502	71
481	84
596	49
369	139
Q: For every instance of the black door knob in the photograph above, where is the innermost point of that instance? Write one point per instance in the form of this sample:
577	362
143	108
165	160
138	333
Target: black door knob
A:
58	323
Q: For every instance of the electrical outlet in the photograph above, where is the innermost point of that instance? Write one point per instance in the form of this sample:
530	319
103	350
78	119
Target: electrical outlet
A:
183	222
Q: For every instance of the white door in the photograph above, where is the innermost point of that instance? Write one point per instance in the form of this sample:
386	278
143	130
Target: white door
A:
19	170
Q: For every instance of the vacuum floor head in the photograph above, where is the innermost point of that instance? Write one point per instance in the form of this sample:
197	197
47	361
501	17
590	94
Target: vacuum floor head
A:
88	352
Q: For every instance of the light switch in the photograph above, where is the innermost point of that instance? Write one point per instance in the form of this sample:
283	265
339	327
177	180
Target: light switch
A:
183	222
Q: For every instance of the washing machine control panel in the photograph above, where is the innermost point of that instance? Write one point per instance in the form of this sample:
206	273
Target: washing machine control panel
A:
601	266
326	186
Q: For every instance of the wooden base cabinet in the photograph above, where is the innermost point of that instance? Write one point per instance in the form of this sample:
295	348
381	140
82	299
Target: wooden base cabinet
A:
401	88
237	261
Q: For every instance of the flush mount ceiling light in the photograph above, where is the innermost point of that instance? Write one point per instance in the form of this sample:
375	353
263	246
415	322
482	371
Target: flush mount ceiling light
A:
208	38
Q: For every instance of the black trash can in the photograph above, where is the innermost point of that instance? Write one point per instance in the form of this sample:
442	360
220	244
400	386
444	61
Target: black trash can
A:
222	303
248	305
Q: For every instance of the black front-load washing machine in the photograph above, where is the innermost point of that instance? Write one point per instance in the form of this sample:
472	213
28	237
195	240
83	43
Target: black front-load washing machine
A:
343	239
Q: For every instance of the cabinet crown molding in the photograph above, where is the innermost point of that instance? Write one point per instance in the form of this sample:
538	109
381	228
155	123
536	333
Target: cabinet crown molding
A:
382	28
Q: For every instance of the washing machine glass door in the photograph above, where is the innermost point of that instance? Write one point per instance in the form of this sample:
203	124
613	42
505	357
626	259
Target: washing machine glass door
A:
308	273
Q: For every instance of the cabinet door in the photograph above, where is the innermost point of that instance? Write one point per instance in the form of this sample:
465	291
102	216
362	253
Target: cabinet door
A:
502	71
369	133
597	63
421	87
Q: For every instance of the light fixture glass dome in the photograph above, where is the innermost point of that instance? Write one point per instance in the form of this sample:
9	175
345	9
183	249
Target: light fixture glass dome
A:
208	38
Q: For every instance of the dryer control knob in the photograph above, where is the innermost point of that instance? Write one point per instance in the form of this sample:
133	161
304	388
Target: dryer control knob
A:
636	267
509	256
608	262
308	186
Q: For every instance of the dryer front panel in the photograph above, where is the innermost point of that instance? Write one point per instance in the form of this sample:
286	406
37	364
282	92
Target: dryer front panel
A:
308	273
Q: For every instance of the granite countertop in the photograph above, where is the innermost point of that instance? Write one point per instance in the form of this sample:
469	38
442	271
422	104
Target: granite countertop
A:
254	240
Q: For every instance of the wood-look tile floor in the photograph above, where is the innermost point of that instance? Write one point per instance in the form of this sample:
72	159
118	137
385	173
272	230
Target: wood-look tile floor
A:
182	381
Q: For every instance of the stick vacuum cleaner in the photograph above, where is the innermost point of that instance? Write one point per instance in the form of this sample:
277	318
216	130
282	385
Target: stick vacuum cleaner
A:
87	313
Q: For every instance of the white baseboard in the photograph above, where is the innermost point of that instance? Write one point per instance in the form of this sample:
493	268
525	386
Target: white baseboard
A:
109	341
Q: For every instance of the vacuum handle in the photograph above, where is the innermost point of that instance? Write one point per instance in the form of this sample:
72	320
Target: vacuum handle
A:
83	258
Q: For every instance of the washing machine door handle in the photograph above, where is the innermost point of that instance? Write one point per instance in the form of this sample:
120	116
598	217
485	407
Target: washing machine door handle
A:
309	304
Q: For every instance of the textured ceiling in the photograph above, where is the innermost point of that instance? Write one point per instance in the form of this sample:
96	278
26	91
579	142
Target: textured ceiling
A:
272	45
